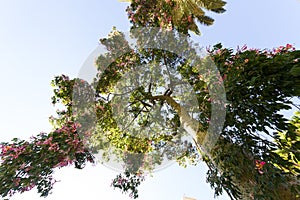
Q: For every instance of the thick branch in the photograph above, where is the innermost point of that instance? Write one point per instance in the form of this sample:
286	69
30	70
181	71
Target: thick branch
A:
245	179
189	124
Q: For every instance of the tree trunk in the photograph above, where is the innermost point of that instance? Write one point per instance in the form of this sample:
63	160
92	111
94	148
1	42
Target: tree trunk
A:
244	174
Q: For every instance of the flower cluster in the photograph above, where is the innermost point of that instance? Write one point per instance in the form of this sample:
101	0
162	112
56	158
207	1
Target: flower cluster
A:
25	165
129	182
11	151
283	49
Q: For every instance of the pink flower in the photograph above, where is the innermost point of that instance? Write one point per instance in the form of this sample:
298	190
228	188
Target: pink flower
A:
224	77
27	169
259	165
219	52
244	47
17	181
4	150
288	46
48	141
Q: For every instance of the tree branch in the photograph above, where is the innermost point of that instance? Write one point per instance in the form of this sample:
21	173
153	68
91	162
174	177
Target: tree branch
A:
189	124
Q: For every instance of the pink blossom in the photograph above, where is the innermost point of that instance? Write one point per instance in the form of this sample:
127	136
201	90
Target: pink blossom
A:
259	165
288	46
17	181
224	77
244	47
48	141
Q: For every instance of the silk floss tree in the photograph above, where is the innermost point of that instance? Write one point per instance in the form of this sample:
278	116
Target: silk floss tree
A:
157	97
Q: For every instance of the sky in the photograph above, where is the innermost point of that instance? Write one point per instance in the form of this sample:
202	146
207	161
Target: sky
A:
41	39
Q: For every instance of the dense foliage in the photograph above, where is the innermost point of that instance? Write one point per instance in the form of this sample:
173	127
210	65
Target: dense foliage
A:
255	157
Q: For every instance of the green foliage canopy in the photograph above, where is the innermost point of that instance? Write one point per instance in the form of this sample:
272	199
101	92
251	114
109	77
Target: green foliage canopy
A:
256	157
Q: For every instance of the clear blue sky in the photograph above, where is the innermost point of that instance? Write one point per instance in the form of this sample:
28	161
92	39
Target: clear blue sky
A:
41	39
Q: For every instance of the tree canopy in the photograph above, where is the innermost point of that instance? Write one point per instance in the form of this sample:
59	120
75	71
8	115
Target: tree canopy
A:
152	105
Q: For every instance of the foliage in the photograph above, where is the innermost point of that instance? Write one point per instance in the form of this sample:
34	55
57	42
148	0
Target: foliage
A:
259	84
128	182
288	147
256	156
28	164
169	14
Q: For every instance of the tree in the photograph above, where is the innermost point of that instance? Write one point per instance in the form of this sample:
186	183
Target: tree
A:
170	14
256	155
